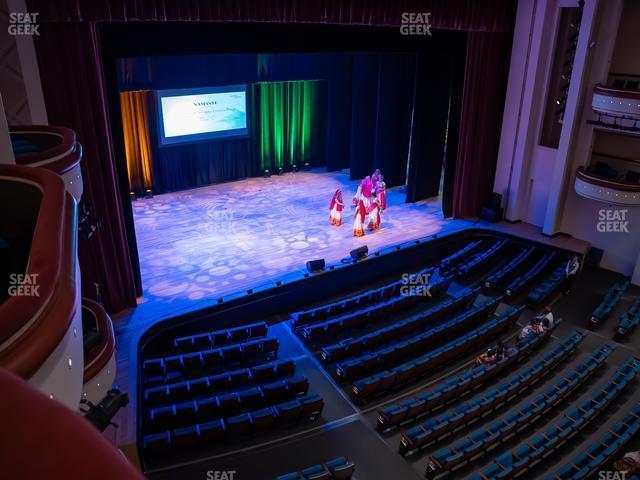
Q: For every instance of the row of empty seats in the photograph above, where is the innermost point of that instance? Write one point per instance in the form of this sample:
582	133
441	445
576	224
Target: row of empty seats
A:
629	320
219	383
414	368
467	381
522	281
337	469
355	345
467	412
186	364
217	406
480	259
391	355
367	316
307	407
574	419
601	451
356	302
609	302
448	264
509	269
523	415
220	338
549	285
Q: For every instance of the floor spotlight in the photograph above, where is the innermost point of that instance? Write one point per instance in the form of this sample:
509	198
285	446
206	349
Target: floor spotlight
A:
148	193
267	173
280	171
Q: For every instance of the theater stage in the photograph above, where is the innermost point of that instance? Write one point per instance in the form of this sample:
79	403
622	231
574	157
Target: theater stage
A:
198	245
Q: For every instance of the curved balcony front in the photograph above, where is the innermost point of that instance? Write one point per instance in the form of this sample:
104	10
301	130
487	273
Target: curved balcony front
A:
607	190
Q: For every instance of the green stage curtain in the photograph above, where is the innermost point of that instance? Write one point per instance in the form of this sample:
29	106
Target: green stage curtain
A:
288	123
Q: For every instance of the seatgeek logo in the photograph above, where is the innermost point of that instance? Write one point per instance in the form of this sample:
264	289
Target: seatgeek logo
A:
611	475
613	220
415	23
24	285
415	285
23	24
221	474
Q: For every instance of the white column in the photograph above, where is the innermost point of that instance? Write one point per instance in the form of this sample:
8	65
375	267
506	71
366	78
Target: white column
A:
560	175
6	152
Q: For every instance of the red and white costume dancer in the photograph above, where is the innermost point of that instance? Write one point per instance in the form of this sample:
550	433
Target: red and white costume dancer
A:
375	178
364	190
374	214
381	191
335	209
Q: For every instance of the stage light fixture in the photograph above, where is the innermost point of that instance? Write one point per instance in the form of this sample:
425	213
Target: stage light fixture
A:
267	173
250	291
220	300
307	166
280	171
148	193
278	283
132	195
294	168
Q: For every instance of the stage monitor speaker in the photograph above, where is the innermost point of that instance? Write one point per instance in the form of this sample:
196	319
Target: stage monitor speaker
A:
594	255
496	201
491	215
315	265
359	253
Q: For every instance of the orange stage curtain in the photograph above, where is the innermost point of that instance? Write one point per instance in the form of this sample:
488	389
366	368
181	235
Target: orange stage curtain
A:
137	141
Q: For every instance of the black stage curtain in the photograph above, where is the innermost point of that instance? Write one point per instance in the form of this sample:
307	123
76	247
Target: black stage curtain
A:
396	74
429	125
364	107
339	80
199	164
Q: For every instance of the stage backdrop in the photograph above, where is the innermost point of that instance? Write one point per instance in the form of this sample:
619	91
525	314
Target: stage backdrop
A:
334	109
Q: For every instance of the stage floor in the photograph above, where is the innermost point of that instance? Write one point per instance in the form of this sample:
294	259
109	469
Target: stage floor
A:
198	245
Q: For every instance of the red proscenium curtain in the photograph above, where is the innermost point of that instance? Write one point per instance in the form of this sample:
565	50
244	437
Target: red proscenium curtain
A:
470	15
485	78
73	86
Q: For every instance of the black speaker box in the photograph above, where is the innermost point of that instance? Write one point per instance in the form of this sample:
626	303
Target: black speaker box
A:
594	256
315	265
359	253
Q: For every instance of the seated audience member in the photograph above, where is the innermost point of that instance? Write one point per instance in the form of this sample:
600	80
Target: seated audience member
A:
629	463
570	273
546	319
492	355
